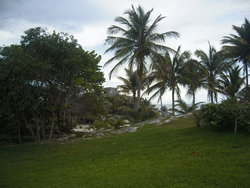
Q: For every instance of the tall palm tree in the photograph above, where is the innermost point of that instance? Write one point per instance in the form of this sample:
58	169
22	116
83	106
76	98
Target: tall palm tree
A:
167	73
238	46
211	66
231	82
159	77
194	79
135	40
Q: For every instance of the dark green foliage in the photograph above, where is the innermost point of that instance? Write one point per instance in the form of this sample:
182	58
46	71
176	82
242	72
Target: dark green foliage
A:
216	117
244	94
111	122
123	106
237	46
229	115
231	82
41	79
144	113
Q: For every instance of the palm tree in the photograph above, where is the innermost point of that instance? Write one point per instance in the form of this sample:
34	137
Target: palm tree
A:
167	73
230	83
182	107
194	78
136	41
159	77
239	45
130	83
211	66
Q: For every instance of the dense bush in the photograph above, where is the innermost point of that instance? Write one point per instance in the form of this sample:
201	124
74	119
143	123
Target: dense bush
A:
229	115
123	105
144	113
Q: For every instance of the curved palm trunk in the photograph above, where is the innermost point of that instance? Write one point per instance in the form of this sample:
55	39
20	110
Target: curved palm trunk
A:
173	102
161	102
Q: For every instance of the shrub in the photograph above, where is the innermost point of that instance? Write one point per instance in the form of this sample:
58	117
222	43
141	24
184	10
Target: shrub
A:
101	124
108	123
229	115
215	116
144	113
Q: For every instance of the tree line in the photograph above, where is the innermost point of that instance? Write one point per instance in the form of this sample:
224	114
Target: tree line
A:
156	68
49	83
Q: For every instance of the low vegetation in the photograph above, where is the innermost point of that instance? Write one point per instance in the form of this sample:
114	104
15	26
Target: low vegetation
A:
174	155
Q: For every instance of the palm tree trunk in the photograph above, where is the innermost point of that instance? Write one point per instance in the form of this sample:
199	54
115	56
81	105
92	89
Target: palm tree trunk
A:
139	81
161	103
134	99
173	102
193	98
212	97
138	102
246	74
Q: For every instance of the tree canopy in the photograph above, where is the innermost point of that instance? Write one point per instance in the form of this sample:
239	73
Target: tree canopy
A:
40	77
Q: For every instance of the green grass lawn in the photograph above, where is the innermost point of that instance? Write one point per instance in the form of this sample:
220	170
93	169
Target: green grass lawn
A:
174	155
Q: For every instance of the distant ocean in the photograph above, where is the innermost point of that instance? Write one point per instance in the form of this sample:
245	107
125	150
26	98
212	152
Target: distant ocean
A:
170	105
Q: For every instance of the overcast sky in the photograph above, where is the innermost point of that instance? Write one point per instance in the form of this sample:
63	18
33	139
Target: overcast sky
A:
197	21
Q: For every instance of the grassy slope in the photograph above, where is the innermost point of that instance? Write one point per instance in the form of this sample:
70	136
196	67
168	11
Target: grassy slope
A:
175	155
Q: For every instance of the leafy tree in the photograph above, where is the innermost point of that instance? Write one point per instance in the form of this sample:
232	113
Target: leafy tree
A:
14	89
44	74
136	41
211	66
237	45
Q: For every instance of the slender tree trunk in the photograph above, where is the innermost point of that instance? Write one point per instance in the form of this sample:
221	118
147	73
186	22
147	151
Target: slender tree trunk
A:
212	97
139	81
161	102
43	129
134	99
28	127
37	137
19	132
193	98
246	74
173	102
52	125
235	125
138	102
